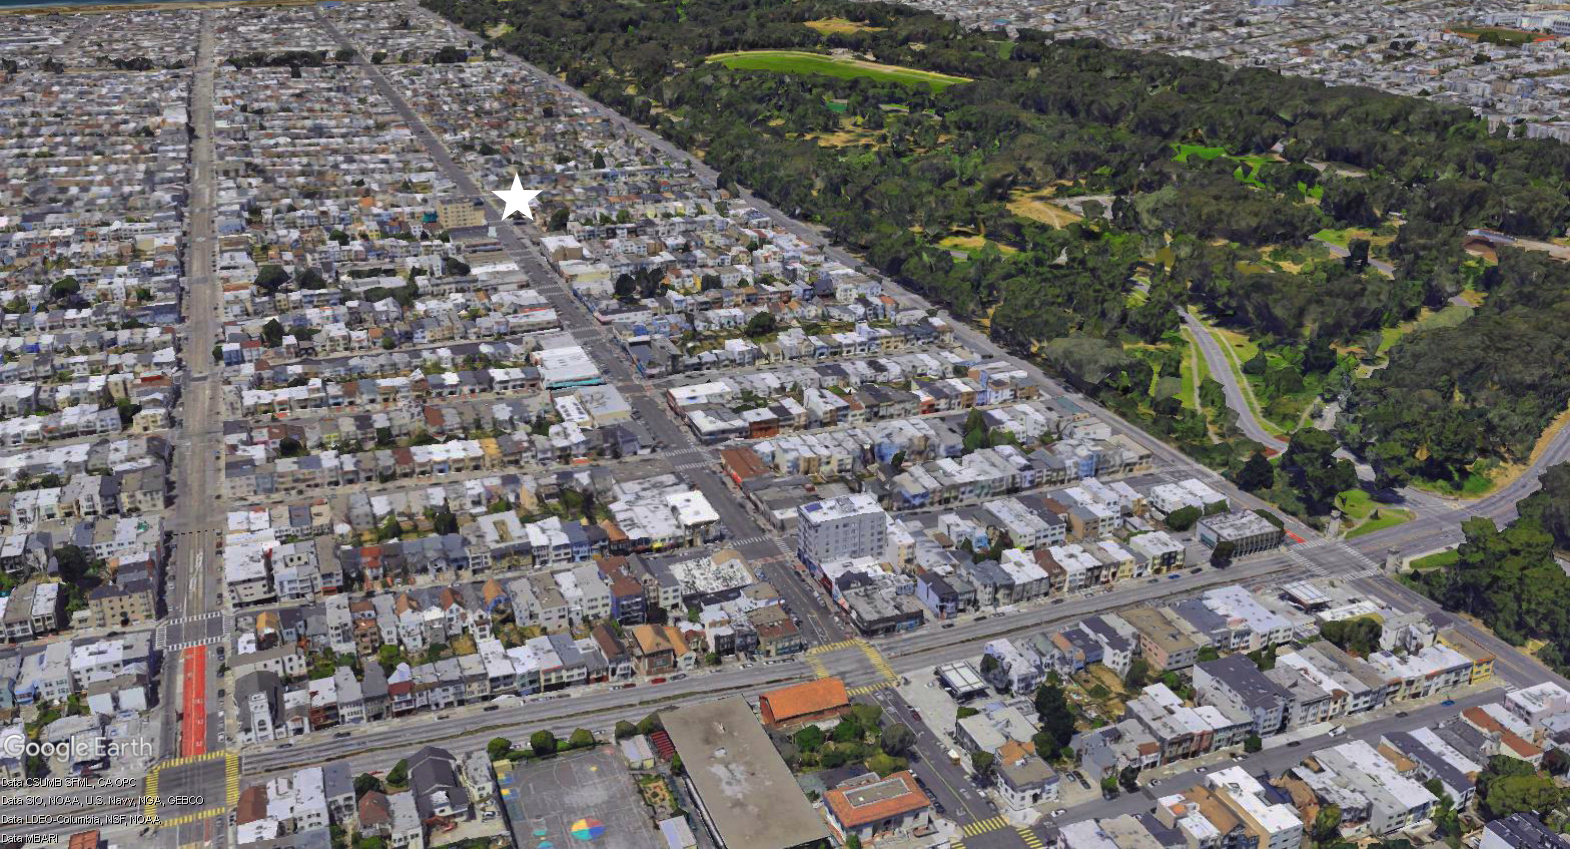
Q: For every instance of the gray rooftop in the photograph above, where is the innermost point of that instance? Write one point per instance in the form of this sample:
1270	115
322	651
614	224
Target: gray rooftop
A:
742	783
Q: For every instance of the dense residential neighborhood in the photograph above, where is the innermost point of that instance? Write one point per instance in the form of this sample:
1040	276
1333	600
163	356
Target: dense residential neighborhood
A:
338	509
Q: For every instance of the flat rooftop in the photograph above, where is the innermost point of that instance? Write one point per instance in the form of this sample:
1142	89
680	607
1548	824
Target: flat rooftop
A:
545	800
744	788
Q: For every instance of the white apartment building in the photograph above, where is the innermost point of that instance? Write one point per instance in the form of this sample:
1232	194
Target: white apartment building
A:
1277	826
846	528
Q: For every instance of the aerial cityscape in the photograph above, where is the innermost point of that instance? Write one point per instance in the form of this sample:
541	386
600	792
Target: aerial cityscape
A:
784	424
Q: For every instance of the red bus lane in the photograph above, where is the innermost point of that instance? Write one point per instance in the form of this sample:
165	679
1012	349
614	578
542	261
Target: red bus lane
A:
193	728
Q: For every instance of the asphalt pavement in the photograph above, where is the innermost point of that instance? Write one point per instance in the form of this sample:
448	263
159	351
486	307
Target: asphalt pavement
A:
1221	369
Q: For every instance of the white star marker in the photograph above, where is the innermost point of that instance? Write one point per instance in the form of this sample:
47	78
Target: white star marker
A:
517	199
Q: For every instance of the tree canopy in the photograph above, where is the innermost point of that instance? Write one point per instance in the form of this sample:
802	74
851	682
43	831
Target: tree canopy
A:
1072	116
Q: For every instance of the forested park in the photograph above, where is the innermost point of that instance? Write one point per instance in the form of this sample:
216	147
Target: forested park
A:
1075	199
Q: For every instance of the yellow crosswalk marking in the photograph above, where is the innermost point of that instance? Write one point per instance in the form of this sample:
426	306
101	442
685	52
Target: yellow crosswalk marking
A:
984	826
232	778
150	809
826	648
1030	838
879	661
818	668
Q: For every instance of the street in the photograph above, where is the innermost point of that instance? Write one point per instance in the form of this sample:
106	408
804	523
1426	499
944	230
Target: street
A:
195	714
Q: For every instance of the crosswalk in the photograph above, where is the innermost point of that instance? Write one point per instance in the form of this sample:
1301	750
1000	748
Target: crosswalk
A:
1369	570
749	540
231	778
1297	557
879	662
1361	573
1031	839
195	617
150	786
181	646
869	689
687	467
983	826
682	452
826	648
172	763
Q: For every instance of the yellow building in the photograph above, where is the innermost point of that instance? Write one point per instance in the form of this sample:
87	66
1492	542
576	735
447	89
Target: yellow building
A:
1482	659
463	212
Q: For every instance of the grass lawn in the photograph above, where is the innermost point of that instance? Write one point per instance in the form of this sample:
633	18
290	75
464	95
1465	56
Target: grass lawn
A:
972	245
1355	504
800	62
1476	485
1035	206
1247	176
1343	236
1505	36
1436	560
1339	238
1450	316
1388	518
1358	511
1193	371
1184	151
828	26
1248	166
498	30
